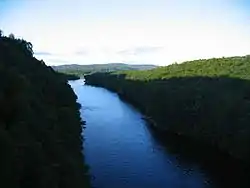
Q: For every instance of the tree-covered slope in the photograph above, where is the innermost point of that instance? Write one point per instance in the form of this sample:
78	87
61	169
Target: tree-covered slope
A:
207	100
40	125
110	67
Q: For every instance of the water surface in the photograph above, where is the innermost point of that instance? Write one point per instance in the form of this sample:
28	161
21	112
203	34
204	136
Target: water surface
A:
121	150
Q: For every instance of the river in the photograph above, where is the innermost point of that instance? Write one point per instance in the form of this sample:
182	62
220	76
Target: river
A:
121	150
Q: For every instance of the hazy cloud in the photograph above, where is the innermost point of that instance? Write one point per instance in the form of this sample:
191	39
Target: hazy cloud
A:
140	50
58	60
44	53
81	52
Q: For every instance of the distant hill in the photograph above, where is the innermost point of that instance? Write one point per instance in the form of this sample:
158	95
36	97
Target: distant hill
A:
110	67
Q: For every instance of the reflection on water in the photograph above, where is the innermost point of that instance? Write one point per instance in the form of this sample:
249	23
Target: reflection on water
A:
122	152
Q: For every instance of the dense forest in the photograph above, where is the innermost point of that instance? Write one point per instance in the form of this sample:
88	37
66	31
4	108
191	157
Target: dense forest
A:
40	125
81	70
205	100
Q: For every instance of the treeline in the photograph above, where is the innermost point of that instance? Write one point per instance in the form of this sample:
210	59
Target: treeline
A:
81	70
206	100
40	125
68	76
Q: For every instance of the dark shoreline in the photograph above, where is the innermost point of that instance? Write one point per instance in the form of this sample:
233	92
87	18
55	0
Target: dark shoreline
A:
225	170
41	142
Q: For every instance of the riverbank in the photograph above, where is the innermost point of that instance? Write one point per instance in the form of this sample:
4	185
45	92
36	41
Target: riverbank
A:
206	108
218	167
40	124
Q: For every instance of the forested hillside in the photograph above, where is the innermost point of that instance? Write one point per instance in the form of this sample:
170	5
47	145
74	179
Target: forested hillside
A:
80	70
40	125
206	100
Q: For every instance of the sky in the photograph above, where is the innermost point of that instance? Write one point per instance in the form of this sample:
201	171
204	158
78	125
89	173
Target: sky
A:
157	32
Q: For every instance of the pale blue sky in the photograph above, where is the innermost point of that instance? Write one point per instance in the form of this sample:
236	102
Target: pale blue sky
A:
130	31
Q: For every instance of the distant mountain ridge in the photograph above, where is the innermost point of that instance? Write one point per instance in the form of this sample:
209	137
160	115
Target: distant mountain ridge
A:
109	67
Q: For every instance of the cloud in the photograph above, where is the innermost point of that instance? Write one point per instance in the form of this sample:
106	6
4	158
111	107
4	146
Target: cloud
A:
81	52
57	61
141	50
44	53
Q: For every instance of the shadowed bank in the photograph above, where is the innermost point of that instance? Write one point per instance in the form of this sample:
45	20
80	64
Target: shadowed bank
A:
40	125
206	119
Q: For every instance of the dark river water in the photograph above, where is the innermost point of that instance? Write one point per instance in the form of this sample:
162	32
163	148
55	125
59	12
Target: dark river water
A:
122	152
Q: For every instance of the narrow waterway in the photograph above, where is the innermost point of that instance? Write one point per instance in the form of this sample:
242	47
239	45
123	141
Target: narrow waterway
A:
122	152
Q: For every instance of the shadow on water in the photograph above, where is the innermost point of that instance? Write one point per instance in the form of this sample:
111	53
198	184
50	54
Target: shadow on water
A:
222	170
216	108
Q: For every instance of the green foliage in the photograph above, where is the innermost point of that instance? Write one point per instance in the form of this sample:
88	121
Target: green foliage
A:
12	36
207	100
68	76
40	125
